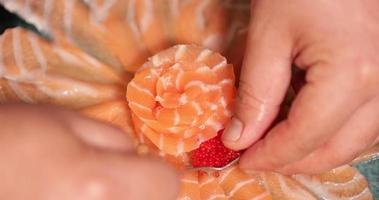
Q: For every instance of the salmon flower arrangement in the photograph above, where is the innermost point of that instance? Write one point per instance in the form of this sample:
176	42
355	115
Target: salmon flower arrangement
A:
164	71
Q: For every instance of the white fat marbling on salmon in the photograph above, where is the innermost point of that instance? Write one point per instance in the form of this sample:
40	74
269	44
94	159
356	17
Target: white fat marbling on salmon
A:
178	79
239	185
190	181
176	66
324	190
226	82
183	99
194	83
159	98
225	174
166	81
211	122
210	179
72	88
176	117
148	15
67	56
293	193
100	13
17	53
223	102
181	50
216	196
67	17
219	65
261	196
200	14
90	60
213	87
175	129
48	7
154	73
131	18
213	106
37	51
139	88
180	147
203	69
334	185
203	54
156	61
364	194
140	106
199	110
20	93
161	141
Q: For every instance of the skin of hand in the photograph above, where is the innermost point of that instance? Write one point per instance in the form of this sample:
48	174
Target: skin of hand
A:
49	153
335	116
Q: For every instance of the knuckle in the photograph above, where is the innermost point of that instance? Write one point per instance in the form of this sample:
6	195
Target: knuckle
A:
248	98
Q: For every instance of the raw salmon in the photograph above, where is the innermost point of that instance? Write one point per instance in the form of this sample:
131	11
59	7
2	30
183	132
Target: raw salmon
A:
342	183
123	33
33	70
233	183
182	97
178	99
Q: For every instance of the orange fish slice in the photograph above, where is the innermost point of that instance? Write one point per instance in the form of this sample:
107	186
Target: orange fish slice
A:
182	97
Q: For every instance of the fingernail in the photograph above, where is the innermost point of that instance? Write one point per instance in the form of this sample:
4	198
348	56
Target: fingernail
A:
233	130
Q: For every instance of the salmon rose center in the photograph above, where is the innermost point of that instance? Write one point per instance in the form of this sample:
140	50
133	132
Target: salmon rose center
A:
181	98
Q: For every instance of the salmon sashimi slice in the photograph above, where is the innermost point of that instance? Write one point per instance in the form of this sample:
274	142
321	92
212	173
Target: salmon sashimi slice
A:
115	112
233	183
182	97
239	185
210	188
344	182
34	70
190	188
123	33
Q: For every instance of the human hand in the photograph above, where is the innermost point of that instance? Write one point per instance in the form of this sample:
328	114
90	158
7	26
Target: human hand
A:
336	114
48	153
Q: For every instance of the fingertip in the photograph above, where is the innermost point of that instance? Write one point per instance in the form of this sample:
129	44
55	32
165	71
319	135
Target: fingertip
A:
232	134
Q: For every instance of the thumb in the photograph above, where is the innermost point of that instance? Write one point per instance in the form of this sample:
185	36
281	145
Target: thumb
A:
264	80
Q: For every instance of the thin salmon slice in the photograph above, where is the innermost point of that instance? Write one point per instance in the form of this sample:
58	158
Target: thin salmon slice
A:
182	97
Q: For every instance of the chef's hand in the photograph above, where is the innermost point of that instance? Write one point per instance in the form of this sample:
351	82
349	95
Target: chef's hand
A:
48	153
336	114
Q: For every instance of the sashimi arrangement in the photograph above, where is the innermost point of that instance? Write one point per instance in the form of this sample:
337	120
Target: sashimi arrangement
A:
154	68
